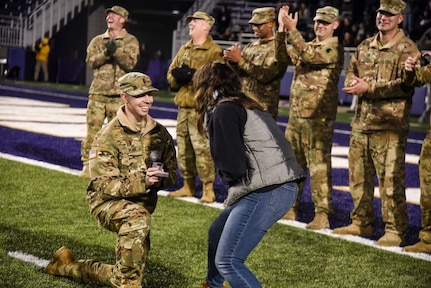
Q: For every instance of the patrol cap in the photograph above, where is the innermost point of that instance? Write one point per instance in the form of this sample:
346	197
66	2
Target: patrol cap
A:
135	84
118	10
393	7
262	15
327	14
203	16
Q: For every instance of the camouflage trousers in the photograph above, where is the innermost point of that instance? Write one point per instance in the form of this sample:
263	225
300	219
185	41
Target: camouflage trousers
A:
131	221
425	184
311	141
99	108
194	156
380	153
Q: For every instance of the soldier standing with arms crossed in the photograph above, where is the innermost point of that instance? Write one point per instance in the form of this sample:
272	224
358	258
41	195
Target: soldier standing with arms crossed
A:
419	77
256	64
122	193
313	103
110	55
380	126
194	157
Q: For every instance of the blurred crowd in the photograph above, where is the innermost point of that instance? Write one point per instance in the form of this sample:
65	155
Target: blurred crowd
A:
356	19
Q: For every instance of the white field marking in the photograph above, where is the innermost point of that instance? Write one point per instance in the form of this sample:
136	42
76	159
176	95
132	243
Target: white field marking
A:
328	232
54	119
28	258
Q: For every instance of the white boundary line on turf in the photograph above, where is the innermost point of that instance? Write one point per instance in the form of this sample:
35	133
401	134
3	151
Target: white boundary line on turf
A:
297	224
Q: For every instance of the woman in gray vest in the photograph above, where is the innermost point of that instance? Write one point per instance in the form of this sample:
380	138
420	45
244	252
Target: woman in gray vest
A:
255	160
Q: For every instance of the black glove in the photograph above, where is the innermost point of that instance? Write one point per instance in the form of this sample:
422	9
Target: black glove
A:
183	74
110	47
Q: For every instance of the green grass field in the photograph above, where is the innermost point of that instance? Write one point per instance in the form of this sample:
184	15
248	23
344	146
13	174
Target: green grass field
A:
43	209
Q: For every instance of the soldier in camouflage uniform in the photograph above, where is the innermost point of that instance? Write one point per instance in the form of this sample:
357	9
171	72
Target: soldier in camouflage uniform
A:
256	64
380	126
194	157
110	55
419	77
122	193
313	103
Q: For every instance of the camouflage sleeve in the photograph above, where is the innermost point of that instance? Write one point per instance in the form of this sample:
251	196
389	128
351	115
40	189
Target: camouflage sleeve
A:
418	77
310	53
96	53
174	64
389	88
169	160
281	49
106	175
266	70
127	53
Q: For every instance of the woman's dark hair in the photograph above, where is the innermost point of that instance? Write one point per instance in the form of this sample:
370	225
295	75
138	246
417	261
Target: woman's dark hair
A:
216	81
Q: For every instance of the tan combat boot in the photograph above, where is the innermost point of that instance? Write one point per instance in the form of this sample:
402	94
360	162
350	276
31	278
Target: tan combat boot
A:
62	257
420	247
208	195
390	239
354	229
85	173
320	221
291	214
188	190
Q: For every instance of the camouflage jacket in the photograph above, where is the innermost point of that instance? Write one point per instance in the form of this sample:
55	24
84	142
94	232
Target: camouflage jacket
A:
194	57
119	157
261	73
387	103
107	70
314	90
419	77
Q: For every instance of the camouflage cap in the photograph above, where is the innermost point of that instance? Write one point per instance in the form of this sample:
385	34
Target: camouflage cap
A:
393	7
327	14
135	84
262	15
118	10
203	16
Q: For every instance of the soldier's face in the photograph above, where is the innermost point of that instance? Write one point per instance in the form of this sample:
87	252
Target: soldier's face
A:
138	107
324	30
114	20
262	30
198	26
387	22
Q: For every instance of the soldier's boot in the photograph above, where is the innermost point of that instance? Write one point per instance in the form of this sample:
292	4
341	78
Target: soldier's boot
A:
61	258
85	173
205	285
291	214
355	229
188	190
320	221
208	195
420	247
88	271
390	239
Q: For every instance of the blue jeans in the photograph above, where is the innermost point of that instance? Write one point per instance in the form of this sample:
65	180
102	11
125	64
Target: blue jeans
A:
238	229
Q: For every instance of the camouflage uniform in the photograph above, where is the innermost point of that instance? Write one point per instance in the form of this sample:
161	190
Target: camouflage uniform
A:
313	108
118	198
259	69
194	155
104	92
379	130
421	76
